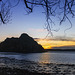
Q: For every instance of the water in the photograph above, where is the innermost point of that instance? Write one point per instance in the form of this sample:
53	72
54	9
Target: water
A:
65	57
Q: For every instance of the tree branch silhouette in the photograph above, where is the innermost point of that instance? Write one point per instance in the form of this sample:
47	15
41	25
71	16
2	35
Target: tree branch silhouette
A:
51	8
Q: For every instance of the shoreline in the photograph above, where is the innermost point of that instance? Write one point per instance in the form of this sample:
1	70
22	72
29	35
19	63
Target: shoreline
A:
73	50
22	67
56	70
16	71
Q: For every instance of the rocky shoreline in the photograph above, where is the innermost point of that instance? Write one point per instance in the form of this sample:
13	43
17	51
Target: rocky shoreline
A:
15	71
22	67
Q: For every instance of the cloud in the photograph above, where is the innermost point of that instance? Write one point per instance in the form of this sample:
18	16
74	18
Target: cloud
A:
65	47
56	44
62	38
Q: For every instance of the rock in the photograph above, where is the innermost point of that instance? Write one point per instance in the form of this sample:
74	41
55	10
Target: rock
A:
24	43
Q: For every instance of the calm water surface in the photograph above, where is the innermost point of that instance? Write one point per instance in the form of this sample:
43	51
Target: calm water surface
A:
47	57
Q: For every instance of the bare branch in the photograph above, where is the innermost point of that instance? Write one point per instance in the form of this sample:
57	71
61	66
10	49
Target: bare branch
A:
51	9
27	6
2	18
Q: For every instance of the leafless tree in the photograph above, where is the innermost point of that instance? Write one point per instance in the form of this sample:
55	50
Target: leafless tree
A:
63	8
5	8
4	12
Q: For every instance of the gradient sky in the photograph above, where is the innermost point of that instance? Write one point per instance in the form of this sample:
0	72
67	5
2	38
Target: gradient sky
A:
33	24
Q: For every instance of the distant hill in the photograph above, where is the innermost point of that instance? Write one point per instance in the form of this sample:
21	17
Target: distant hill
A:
62	48
24	43
65	47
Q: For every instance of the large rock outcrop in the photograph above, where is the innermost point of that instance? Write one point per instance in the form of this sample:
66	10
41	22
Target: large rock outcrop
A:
24	43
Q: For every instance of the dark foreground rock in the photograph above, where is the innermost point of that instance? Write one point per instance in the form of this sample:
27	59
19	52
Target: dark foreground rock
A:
15	71
23	67
24	44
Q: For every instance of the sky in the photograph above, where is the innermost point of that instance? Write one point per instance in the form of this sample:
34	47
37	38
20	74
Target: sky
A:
34	25
56	44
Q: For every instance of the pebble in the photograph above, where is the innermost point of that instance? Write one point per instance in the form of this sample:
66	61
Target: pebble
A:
51	68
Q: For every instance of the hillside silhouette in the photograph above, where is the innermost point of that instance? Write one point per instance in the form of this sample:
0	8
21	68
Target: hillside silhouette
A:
24	44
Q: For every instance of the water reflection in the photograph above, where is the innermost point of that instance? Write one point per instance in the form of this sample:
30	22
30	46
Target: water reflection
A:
45	58
48	57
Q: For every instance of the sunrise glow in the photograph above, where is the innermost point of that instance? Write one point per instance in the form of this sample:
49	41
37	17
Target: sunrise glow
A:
49	44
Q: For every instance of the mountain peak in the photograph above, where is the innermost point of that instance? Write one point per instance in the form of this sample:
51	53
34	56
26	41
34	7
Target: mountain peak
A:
24	35
24	43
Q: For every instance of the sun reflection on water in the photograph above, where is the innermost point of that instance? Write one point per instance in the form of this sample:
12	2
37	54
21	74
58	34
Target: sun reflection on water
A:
45	58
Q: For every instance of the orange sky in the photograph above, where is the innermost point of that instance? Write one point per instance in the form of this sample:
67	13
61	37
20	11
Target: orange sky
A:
50	43
47	44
